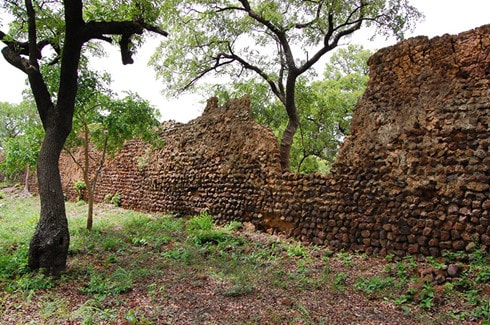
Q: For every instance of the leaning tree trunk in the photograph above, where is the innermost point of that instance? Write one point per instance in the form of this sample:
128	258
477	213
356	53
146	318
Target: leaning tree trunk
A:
49	246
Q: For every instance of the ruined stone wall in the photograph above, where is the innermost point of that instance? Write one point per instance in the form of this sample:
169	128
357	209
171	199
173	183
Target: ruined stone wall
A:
412	178
414	174
219	162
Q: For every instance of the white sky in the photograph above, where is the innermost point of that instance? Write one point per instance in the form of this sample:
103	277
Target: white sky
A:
441	17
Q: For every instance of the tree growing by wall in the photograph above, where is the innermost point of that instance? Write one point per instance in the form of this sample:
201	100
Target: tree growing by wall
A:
274	41
102	122
325	108
67	28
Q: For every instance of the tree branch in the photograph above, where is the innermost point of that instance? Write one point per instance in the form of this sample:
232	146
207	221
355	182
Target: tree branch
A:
19	47
217	65
328	45
36	80
13	51
34	54
314	20
126	29
280	34
151	28
72	155
260	72
15	59
282	70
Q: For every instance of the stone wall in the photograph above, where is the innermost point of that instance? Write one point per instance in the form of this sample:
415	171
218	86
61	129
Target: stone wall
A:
413	178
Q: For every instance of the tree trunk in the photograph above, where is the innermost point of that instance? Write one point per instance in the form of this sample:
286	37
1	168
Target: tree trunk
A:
293	122
90	213
26	181
287	142
48	249
25	191
93	184
86	177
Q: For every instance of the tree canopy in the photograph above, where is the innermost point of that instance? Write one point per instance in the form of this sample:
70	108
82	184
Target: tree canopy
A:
274	41
15	119
20	139
326	107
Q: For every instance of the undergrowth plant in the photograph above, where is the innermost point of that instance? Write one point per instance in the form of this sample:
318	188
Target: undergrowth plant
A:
79	187
102	284
202	230
116	199
376	285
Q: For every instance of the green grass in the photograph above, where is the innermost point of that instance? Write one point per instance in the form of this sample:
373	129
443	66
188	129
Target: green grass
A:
133	254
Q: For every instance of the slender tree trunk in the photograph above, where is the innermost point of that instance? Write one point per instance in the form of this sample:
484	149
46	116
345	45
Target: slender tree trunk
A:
26	180
48	249
25	191
90	198
93	185
90	214
86	177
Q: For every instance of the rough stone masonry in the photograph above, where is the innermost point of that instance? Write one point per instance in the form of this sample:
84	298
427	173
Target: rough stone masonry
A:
412	178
